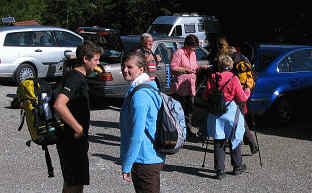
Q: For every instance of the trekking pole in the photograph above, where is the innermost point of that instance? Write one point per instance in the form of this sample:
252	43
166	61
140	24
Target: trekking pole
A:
254	126
203	165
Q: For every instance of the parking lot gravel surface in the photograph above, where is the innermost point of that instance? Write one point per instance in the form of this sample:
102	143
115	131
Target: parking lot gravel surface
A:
286	156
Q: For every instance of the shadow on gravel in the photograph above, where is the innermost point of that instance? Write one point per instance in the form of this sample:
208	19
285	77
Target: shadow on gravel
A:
198	148
7	82
104	139
100	103
300	128
105	124
201	172
108	157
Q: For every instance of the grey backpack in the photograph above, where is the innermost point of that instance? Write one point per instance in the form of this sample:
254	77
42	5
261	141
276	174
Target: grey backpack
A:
170	126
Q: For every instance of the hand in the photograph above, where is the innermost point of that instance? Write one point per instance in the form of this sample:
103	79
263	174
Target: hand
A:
78	134
158	58
188	71
247	88
126	177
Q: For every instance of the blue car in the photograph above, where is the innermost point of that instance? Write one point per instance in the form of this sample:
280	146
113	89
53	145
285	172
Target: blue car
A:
284	82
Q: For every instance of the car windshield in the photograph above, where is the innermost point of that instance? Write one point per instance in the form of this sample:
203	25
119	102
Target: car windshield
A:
160	29
110	43
266	57
200	53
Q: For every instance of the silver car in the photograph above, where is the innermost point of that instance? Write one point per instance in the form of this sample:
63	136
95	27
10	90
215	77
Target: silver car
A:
111	83
35	51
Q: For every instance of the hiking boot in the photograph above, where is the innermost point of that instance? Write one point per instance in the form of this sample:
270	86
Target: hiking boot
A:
240	169
220	174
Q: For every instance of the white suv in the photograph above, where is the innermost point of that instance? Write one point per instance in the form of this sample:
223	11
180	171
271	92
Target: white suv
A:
35	51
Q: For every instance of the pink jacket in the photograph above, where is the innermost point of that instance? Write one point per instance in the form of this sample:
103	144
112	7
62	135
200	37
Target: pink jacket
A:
232	91
184	84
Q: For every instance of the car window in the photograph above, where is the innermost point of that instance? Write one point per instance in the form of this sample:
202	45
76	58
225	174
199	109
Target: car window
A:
266	57
165	50
299	61
43	38
177	31
200	54
66	39
109	42
18	39
161	29
189	28
201	27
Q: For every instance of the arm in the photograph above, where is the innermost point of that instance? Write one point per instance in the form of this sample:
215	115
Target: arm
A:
137	123
208	88
65	114
240	94
176	62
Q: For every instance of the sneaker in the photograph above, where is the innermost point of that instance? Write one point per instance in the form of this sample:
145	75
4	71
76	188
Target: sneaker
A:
239	170
220	174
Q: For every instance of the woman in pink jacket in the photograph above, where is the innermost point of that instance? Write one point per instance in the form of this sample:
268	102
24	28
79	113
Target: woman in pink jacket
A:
183	68
221	128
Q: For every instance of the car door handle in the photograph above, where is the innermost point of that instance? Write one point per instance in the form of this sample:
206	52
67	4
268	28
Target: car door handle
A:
38	50
67	51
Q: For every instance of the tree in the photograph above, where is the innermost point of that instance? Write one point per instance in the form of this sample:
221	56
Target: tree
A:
23	10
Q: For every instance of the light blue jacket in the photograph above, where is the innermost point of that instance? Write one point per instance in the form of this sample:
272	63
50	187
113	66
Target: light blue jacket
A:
221	127
135	116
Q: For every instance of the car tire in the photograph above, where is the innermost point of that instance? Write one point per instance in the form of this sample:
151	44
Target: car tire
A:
23	72
283	111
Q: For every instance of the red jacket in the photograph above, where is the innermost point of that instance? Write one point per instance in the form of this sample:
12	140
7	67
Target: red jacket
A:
233	91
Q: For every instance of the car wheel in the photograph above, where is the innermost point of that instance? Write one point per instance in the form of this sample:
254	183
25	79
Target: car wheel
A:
283	110
23	72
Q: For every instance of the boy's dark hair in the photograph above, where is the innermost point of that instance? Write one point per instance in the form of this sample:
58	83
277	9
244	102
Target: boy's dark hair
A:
191	40
87	49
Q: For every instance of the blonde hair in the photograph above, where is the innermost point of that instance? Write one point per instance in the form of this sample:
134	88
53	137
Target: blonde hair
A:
225	62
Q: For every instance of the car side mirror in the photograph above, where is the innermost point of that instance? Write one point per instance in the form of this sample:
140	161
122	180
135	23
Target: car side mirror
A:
69	54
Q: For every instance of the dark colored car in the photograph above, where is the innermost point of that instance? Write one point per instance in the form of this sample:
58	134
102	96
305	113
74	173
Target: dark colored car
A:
110	83
284	81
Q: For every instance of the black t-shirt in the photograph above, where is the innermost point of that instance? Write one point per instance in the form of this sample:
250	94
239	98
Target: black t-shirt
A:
75	87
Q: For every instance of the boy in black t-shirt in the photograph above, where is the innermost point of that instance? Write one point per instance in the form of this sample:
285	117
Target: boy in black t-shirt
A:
72	104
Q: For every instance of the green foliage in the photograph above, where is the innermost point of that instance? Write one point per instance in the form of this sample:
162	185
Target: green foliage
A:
22	10
128	16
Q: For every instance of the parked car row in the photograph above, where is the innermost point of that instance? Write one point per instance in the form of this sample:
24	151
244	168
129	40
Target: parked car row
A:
34	51
111	83
284	72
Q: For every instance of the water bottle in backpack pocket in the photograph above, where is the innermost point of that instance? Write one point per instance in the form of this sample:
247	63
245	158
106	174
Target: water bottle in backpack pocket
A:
43	123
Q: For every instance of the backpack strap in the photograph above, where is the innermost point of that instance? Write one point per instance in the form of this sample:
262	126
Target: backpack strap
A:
235	122
227	82
130	97
48	161
138	88
22	119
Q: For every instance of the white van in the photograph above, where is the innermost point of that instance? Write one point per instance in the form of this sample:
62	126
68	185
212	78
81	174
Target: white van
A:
181	26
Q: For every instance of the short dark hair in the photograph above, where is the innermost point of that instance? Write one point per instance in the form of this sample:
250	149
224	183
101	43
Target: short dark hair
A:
87	49
191	40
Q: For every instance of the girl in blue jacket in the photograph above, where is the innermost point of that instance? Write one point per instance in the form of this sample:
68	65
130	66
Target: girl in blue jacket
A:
140	161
